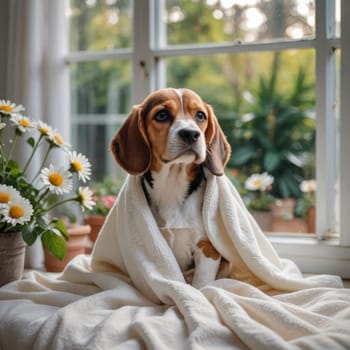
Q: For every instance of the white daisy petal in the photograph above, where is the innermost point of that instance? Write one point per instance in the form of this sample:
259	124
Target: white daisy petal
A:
258	182
18	212
80	165
22	123
8	108
58	141
58	181
308	186
86	198
7	195
43	128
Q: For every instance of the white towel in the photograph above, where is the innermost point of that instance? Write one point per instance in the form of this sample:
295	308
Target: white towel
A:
133	295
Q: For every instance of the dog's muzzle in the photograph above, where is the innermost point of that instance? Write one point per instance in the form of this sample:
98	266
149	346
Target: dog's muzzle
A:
189	136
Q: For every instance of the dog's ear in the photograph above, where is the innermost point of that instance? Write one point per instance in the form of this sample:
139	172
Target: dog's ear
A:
218	149
130	145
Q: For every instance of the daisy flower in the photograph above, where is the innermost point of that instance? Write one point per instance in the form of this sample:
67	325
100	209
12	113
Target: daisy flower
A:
58	141
308	186
22	123
9	108
43	128
58	180
80	165
259	182
7	195
86	198
19	211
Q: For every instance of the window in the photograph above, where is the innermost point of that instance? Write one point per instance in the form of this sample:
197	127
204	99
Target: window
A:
249	59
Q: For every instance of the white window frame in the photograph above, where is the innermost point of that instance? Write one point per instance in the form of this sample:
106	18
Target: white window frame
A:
312	254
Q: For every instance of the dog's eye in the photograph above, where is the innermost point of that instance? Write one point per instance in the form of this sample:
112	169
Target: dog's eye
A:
162	116
200	116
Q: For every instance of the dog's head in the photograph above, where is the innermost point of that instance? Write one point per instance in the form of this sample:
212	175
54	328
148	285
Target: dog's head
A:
171	126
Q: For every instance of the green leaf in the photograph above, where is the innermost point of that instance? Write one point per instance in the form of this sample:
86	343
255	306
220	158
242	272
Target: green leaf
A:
271	161
29	235
12	164
59	225
243	155
31	141
15	172
54	244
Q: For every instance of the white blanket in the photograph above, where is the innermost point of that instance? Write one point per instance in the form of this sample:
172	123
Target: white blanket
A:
132	294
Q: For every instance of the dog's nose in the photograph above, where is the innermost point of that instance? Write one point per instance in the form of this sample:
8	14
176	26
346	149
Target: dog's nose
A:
189	136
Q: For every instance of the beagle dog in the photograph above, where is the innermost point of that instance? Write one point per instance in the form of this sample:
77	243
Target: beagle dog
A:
171	140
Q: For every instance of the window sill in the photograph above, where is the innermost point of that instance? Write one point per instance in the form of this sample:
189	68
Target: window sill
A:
312	255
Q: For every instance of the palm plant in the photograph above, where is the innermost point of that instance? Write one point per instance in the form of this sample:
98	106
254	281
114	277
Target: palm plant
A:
278	134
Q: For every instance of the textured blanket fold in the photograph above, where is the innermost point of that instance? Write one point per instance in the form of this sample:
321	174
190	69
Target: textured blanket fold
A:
132	293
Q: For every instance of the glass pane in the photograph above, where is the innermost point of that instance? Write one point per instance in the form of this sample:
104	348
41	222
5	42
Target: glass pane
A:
265	103
337	18
100	99
336	208
97	25
205	21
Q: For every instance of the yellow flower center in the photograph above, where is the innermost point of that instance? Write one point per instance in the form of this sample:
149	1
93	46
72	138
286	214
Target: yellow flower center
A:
4	198
6	108
44	131
55	179
257	183
77	165
24	122
83	198
59	139
16	212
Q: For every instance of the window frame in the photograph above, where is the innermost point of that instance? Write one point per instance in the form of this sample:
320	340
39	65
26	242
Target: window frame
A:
320	254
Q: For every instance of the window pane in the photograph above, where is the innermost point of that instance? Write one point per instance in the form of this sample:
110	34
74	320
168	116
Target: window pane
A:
337	17
100	100
97	25
336	207
265	102
206	21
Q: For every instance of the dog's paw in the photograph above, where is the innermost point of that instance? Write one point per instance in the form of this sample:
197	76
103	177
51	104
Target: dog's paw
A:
208	249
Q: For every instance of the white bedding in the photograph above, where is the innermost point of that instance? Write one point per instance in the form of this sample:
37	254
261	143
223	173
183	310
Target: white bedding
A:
132	294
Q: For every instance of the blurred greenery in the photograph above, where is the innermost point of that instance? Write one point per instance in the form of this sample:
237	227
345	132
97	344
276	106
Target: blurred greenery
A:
278	134
264	100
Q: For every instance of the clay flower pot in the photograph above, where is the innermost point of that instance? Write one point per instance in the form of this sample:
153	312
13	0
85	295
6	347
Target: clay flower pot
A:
12	253
77	244
311	220
264	219
95	222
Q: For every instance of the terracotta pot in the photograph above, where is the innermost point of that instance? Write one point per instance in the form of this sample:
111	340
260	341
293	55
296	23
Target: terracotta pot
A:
283	208
95	222
295	225
264	219
77	244
12	254
283	217
311	220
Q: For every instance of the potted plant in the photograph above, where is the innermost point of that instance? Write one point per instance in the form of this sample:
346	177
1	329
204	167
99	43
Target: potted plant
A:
277	133
27	198
305	206
258	198
104	195
77	244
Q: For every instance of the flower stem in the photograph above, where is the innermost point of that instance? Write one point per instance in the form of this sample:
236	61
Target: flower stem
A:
2	151
32	155
42	163
12	148
41	197
60	203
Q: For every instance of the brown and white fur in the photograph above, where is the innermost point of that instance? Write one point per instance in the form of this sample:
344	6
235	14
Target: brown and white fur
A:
172	139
